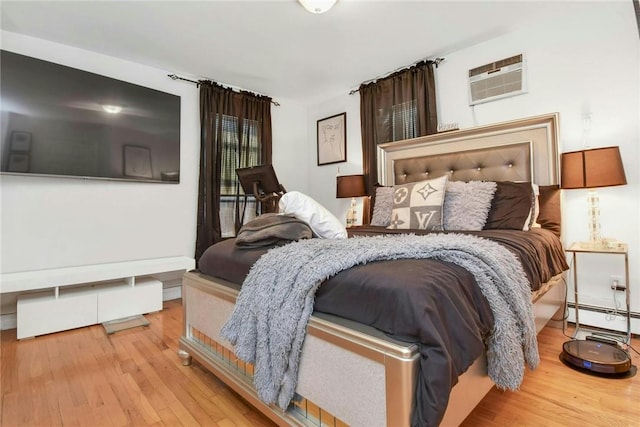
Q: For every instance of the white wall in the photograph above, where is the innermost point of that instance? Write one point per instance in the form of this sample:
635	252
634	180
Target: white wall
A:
290	148
322	179
62	222
585	62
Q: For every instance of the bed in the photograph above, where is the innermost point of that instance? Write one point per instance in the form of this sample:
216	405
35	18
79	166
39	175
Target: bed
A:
351	373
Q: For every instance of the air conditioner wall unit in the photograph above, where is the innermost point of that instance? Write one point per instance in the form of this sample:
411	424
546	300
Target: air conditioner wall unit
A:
497	80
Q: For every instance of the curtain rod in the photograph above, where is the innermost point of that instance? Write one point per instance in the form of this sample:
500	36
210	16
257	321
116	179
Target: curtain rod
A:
197	83
436	61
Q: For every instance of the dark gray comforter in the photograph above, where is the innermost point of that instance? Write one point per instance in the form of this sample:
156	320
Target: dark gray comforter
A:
433	304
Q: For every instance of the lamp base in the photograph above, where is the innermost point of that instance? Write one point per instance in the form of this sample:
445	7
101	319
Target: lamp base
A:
352	214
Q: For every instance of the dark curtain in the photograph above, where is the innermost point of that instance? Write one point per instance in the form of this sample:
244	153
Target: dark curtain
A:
249	113
397	107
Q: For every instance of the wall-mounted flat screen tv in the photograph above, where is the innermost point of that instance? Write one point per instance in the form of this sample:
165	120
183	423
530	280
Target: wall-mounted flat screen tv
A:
61	121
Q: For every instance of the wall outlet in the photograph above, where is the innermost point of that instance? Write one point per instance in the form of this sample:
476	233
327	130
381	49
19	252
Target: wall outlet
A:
617	283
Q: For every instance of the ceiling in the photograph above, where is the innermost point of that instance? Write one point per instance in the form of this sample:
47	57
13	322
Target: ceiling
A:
274	47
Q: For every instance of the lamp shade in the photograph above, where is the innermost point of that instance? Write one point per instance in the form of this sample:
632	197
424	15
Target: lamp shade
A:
350	186
597	167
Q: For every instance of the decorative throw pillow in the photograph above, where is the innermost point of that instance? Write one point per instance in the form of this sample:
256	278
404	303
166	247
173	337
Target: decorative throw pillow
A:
511	207
549	210
323	223
418	205
467	204
382	206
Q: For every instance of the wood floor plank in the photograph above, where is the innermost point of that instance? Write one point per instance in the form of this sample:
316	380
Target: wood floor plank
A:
160	388
39	407
108	407
169	418
9	415
140	401
199	404
85	377
54	417
66	407
232	414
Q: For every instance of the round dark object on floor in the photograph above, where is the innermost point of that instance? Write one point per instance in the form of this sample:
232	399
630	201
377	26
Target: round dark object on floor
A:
596	357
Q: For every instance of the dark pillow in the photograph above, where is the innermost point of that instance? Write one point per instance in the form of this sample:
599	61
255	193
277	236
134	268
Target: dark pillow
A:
549	213
511	206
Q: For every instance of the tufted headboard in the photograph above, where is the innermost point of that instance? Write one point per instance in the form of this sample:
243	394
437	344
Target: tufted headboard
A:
518	150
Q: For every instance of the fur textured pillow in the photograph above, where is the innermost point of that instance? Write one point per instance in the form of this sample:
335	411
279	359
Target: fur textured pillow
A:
418	205
382	207
467	204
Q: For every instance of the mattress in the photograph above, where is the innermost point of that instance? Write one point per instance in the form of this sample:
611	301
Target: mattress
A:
540	251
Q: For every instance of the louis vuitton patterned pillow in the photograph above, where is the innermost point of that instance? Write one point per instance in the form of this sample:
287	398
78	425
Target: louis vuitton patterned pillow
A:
418	205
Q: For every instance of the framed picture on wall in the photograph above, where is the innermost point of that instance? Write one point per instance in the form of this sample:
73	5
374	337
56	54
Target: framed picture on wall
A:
332	139
18	162
137	161
20	141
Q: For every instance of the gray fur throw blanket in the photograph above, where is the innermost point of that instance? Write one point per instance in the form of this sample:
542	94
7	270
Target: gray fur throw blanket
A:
268	323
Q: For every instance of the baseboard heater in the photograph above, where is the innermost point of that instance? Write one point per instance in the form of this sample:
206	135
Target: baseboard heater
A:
633	314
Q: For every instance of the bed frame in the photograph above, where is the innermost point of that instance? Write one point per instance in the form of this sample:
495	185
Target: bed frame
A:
351	374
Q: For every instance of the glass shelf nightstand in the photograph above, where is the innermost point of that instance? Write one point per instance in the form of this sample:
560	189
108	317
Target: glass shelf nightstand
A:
614	249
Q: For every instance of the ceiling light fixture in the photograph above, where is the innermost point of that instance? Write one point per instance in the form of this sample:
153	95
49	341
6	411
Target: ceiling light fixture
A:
112	109
317	6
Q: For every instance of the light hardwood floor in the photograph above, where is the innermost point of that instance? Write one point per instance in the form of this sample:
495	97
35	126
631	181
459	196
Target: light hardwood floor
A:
84	377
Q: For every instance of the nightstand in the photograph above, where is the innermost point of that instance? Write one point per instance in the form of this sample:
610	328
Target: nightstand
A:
618	249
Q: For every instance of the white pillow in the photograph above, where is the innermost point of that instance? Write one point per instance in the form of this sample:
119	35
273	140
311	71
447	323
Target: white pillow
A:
322	222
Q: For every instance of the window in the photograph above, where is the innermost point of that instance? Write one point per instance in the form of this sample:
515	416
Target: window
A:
236	155
398	122
404	118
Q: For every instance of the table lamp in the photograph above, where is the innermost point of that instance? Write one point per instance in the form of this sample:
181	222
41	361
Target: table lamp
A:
350	186
592	168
